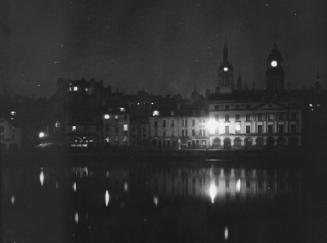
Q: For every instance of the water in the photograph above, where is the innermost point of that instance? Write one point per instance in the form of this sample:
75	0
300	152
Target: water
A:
168	203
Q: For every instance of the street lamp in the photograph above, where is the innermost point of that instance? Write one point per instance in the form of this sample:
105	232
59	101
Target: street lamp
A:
42	134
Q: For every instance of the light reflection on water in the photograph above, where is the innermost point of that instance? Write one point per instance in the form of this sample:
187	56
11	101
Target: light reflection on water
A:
131	194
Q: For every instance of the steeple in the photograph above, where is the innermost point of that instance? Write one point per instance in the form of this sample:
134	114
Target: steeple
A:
225	53
274	72
225	74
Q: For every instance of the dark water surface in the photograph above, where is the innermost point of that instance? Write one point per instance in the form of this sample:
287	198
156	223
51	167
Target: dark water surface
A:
199	202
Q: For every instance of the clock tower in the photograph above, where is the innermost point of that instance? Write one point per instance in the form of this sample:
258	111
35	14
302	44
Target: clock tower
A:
275	72
225	74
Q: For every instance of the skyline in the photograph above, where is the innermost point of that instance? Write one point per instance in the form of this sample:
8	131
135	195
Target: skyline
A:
159	46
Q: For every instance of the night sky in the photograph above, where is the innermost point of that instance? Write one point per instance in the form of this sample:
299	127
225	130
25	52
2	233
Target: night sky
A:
162	46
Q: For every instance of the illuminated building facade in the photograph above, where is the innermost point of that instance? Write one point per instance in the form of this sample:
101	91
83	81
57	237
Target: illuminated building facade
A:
116	128
241	123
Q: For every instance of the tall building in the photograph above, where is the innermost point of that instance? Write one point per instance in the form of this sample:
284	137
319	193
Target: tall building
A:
225	74
274	72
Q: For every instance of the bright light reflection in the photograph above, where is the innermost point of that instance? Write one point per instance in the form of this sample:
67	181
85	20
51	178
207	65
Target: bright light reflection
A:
41	177
125	186
107	198
226	233
238	185
12	199
212	125
155	200
76	217
74	186
212	191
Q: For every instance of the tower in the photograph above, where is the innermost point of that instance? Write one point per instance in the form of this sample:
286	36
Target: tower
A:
274	72
225	74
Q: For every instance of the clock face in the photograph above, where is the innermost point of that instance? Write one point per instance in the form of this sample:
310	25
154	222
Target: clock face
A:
273	63
225	69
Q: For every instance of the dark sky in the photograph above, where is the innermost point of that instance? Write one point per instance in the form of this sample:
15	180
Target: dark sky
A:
163	46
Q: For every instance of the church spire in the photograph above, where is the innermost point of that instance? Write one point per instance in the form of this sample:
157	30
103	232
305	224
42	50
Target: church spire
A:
225	53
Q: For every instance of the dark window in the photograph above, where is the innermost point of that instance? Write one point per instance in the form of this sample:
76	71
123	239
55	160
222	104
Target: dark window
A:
247	129
164	123
281	128
293	128
259	129
281	116
227	118
216	107
247	117
248	106
172	123
2	129
164	133
227	107
293	116
193	123
238	107
155	123
259	117
270	128
237	117
193	132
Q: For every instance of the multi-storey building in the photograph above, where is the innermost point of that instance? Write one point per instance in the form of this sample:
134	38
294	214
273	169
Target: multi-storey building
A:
247	123
178	132
116	128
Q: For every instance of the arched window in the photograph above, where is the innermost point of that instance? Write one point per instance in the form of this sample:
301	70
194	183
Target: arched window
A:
237	142
216	143
227	143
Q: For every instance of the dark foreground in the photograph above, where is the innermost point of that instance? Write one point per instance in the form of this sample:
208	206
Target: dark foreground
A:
97	198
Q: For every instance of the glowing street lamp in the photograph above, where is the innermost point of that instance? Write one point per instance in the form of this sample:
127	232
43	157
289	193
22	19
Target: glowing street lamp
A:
42	134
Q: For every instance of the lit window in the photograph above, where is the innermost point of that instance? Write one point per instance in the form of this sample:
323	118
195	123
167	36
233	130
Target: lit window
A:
70	89
155	113
125	127
116	117
107	139
13	113
122	109
75	88
225	69
73	128
310	105
238	127
86	90
138	103
57	124
152	103
106	116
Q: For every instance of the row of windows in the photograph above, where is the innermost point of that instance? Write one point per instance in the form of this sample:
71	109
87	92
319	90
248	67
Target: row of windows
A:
280	116
259	130
238	106
184	123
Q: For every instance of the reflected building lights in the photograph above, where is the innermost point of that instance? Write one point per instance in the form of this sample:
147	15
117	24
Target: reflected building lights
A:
41	177
125	186
12	199
238	185
106	198
76	218
155	200
212	192
74	186
226	233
